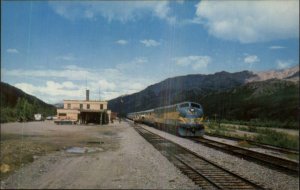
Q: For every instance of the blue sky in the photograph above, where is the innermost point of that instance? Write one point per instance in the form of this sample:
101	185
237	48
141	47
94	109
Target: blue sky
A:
54	49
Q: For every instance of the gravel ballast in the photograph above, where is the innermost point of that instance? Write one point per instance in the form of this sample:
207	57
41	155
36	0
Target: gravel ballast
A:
265	176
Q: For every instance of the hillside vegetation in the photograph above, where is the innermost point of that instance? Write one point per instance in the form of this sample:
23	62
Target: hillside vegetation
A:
17	105
272	103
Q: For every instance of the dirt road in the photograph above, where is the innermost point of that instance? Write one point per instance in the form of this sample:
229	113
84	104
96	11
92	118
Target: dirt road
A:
113	156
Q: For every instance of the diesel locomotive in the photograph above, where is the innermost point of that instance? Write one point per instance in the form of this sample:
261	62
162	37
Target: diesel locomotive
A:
182	119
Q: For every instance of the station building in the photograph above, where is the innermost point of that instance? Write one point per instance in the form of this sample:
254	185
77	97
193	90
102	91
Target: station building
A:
85	111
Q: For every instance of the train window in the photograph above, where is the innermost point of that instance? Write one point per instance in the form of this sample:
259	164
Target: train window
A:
195	105
184	105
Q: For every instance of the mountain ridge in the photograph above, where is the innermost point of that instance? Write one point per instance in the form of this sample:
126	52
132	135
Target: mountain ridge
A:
288	74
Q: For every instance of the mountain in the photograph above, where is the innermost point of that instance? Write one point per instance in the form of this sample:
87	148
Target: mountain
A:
177	89
234	96
12	97
59	105
287	74
274	101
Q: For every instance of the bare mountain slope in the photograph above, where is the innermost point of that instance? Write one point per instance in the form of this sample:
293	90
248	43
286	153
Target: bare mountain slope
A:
286	74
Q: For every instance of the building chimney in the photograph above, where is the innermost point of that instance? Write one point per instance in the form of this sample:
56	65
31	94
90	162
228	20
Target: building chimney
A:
87	95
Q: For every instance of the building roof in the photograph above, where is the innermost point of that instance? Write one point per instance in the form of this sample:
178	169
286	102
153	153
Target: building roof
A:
86	100
85	110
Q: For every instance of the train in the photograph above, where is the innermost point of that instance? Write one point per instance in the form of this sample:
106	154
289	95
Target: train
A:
184	119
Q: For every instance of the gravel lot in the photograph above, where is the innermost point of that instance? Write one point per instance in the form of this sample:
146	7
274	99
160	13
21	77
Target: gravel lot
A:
267	177
122	160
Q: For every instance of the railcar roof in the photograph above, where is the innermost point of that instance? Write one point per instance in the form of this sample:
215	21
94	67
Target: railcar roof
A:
164	107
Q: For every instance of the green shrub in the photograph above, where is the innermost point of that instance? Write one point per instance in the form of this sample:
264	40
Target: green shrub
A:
288	124
277	139
8	115
252	129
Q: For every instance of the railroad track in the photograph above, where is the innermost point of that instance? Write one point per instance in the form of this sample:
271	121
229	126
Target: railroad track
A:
203	172
262	145
283	165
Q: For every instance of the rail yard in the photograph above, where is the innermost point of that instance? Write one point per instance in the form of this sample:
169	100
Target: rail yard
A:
128	155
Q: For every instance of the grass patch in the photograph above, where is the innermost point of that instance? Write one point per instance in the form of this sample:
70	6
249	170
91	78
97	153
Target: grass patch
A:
245	144
278	139
217	126
17	151
293	156
265	123
265	136
216	129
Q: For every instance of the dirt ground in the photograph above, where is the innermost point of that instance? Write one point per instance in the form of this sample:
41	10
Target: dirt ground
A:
39	155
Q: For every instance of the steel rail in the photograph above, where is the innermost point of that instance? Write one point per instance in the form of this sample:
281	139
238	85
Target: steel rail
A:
203	172
288	166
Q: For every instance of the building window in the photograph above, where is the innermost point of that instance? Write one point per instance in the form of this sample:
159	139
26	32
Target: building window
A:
81	106
101	106
62	114
69	106
88	106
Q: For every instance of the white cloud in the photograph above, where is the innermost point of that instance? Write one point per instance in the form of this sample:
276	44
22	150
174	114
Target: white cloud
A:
68	57
12	50
180	1
51	88
132	66
69	85
105	85
250	59
69	74
196	62
122	11
250	21
150	43
73	67
283	64
277	47
69	82
122	42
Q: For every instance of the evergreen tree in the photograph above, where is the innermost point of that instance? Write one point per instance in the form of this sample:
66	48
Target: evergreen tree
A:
19	109
24	110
